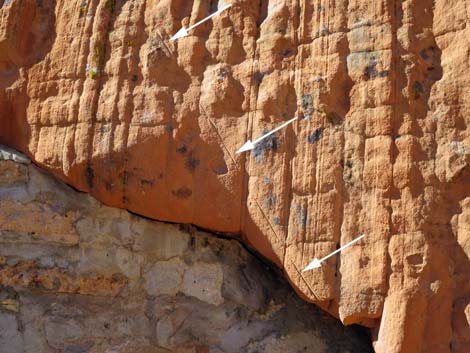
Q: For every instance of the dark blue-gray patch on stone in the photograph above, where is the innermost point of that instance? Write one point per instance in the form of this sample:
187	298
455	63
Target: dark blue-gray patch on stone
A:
303	217
270	143
371	69
302	214
424	54
270	200
315	136
384	73
418	87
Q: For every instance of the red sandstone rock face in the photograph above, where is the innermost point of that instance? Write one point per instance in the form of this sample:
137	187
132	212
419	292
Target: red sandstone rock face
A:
95	92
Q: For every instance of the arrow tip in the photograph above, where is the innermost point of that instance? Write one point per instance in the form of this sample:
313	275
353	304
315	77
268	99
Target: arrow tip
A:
312	265
246	147
180	34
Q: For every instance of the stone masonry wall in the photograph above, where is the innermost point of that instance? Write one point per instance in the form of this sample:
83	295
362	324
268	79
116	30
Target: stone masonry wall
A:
80	277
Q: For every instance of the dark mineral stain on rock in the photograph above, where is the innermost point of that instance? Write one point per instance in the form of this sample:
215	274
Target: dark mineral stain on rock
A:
258	76
220	169
125	178
417	90
371	70
182	149
169	128
269	201
147	182
303	218
287	52
270	143
108	185
192	162
424	54
89	176
183	192
315	136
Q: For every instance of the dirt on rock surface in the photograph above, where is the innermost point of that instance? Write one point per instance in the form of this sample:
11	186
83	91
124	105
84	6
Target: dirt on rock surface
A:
95	92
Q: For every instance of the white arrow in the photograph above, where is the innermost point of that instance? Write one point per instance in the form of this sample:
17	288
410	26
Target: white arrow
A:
183	32
317	263
250	145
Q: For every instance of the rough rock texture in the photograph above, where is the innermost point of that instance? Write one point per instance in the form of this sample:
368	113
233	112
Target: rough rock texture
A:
77	277
94	91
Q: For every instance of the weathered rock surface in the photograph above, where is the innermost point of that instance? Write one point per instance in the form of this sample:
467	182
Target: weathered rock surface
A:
115	282
95	92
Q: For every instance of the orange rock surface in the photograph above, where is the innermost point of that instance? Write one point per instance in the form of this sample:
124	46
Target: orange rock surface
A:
94	91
